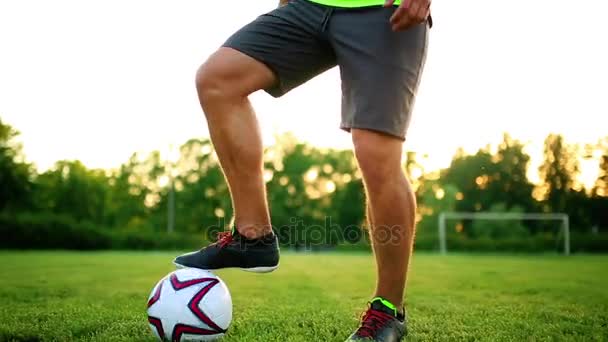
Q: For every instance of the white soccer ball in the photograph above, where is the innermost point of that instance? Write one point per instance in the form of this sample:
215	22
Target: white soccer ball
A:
189	305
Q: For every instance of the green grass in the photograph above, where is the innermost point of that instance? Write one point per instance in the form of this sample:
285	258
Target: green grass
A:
65	296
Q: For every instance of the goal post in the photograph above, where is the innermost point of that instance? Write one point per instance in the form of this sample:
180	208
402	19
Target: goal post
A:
444	216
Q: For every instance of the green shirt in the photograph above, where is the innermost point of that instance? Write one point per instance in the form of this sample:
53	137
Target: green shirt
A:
352	3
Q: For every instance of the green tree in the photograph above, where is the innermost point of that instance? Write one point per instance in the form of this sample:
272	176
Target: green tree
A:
15	174
488	181
487	178
599	199
435	197
472	174
147	180
125	208
510	185
558	172
70	188
601	184
202	199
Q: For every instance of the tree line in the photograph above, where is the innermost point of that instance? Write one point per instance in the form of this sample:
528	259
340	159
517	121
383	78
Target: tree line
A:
316	196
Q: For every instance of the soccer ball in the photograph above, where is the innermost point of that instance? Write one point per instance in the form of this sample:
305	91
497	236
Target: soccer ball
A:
189	305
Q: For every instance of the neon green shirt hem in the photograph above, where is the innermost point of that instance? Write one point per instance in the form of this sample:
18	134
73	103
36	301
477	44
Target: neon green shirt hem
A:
352	3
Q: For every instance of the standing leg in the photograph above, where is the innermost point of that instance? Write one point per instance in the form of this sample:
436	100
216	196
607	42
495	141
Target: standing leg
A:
380	71
391	209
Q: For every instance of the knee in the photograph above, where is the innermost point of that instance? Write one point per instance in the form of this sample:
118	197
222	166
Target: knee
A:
372	165
228	77
379	159
211	86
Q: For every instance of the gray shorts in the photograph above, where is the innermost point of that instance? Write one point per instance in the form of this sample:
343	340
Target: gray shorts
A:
380	69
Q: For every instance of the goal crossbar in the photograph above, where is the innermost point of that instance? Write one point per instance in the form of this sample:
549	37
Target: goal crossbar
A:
502	216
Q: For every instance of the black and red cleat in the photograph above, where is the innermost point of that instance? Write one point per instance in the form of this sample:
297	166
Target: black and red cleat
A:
381	323
232	250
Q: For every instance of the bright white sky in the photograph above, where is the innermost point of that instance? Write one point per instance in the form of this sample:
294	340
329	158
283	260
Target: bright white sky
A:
98	80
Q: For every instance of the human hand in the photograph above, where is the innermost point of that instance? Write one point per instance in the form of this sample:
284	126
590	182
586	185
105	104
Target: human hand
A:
409	13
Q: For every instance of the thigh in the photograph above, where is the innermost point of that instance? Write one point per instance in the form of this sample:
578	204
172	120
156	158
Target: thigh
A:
380	69
238	73
289	42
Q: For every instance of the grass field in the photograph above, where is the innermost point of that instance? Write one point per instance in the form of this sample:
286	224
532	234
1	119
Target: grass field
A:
65	296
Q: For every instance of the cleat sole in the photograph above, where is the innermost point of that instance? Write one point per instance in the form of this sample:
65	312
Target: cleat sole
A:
260	269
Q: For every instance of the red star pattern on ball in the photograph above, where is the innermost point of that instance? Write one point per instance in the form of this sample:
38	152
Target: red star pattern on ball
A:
193	305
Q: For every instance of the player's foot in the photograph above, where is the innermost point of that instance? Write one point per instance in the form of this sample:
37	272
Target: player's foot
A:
232	250
381	322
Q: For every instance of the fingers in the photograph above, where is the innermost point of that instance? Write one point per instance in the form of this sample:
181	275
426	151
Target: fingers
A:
399	15
389	3
413	9
410	13
424	11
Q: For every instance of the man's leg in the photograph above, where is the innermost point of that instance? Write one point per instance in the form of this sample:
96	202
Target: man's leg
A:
276	52
380	71
391	209
288	42
224	83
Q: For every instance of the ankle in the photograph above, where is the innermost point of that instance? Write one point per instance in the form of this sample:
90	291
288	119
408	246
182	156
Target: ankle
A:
395	306
252	232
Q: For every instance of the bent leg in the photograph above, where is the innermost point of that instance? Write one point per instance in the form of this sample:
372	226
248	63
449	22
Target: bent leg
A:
224	83
276	52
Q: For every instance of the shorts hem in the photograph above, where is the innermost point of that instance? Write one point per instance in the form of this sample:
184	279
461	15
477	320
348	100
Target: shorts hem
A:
393	134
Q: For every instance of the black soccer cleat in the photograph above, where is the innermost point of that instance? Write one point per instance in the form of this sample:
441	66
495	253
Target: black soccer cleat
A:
232	250
381	322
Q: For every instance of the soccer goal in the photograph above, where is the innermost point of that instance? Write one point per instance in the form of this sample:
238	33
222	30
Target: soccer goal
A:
444	216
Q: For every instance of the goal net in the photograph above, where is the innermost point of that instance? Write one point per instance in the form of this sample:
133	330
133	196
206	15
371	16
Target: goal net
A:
563	219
